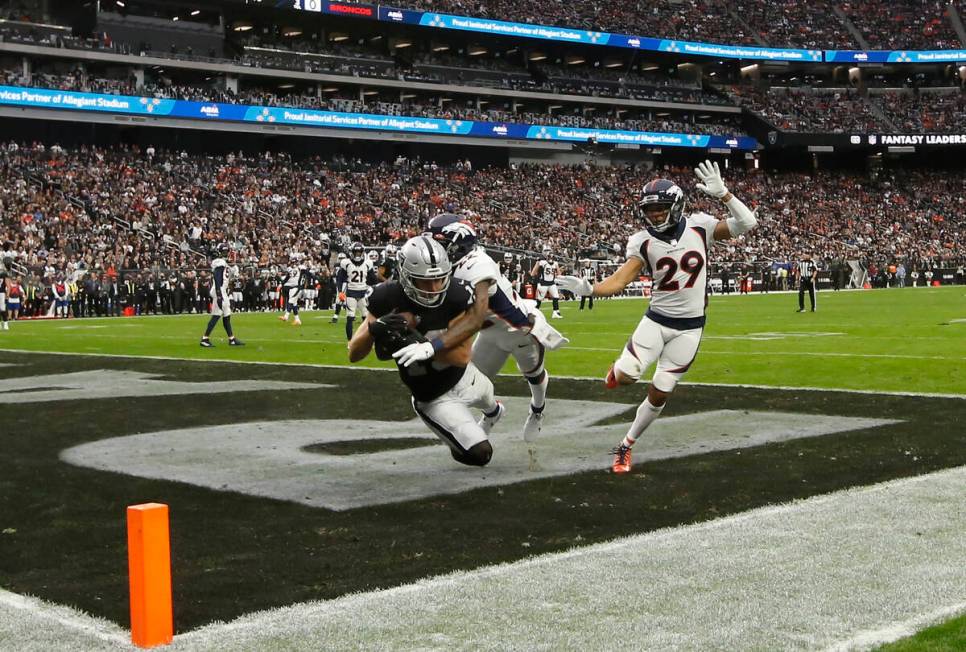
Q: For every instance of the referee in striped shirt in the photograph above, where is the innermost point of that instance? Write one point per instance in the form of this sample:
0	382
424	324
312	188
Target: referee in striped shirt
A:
807	273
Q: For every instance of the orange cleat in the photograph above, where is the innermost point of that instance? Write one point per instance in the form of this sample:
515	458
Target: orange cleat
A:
611	381
622	459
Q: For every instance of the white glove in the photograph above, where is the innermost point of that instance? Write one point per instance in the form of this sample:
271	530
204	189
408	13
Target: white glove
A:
581	287
711	182
414	353
546	334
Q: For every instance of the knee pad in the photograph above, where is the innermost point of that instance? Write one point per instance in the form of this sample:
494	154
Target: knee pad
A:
665	381
628	364
478	455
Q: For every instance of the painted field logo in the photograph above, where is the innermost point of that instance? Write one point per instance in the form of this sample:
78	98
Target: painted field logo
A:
272	459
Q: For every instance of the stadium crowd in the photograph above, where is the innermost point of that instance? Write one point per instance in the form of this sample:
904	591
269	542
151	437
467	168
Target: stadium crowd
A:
924	112
122	215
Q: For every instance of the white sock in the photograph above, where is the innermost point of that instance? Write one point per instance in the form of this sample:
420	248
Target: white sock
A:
646	413
538	391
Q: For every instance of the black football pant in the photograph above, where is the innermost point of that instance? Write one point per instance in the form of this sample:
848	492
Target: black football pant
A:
802	287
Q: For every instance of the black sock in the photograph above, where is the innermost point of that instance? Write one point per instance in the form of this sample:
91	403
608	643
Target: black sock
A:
556	305
211	325
348	327
227	323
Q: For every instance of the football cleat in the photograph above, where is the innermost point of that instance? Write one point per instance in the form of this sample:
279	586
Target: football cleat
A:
556	315
487	423
235	342
531	429
622	459
610	382
334	320
297	322
205	342
283	318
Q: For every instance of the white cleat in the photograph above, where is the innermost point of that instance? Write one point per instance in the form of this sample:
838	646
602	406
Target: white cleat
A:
531	429
283	318
487	423
556	315
297	322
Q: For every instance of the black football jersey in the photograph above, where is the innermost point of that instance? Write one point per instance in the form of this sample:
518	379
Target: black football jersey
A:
429	379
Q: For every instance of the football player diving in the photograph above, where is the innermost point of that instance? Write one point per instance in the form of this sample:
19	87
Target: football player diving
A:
416	321
510	325
675	249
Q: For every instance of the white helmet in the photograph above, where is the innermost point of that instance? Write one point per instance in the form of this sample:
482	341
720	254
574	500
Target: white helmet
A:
546	250
374	256
390	251
507	257
422	258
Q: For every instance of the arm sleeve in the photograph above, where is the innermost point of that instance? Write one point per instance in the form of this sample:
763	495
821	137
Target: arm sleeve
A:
341	278
506	310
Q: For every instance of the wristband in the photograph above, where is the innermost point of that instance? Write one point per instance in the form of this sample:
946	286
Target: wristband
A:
437	344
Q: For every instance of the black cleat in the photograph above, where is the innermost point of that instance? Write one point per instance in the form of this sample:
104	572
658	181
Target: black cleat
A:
207	344
235	342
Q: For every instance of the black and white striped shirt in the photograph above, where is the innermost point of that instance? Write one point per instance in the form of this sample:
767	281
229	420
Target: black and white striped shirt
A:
805	269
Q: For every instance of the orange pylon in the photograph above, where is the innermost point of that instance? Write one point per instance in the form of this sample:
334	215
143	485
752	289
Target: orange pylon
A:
149	572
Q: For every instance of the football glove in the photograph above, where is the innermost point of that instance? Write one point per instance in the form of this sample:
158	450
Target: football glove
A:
580	287
546	334
390	333
416	352
341	297
710	177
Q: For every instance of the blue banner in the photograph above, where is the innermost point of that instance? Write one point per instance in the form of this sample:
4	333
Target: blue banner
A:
895	56
76	101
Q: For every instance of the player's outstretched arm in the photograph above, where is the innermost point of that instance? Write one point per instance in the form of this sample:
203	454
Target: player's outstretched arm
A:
471	321
361	343
626	274
742	218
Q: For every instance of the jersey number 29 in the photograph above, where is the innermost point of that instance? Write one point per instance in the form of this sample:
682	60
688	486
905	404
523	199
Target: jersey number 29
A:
691	263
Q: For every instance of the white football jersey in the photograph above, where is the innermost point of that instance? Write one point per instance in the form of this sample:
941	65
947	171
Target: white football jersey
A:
507	308
547	272
225	279
679	265
357	273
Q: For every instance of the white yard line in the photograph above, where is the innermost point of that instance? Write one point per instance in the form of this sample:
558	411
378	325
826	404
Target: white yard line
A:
846	570
50	624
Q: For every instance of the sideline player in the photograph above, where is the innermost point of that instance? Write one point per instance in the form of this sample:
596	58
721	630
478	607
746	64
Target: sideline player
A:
675	248
510	325
221	274
296	281
546	272
356	274
589	274
4	324
445	385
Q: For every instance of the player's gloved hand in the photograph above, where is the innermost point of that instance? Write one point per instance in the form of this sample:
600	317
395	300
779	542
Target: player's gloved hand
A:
341	297
393	322
711	182
546	334
581	287
414	353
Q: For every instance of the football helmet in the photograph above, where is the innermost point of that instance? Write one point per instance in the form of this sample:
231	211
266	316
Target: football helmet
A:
456	235
390	251
662	193
508	258
340	257
546	251
357	252
424	259
374	256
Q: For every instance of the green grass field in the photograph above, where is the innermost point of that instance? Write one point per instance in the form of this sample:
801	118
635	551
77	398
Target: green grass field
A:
911	340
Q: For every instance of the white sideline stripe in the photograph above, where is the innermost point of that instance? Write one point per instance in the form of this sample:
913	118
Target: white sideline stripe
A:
799	353
299	622
876	637
597	379
68	617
